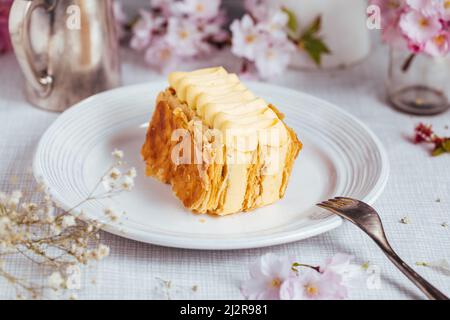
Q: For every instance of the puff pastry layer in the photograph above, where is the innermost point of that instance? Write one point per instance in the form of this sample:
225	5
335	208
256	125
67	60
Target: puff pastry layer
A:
221	148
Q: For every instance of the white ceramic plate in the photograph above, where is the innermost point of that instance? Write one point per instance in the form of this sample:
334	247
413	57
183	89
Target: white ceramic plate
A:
341	156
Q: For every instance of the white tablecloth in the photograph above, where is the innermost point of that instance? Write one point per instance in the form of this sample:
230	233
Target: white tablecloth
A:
417	180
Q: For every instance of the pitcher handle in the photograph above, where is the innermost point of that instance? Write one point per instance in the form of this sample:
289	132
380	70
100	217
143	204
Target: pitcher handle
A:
19	26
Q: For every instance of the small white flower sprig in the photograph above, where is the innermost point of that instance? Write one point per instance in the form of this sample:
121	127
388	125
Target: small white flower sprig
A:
55	240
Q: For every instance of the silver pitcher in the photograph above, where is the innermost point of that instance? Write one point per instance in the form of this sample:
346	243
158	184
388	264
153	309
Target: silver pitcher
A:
68	49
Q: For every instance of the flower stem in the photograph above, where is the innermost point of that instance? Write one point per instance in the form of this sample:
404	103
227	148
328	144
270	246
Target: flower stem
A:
296	264
407	64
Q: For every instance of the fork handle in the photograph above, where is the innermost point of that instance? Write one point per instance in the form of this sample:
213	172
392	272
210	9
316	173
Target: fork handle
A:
427	288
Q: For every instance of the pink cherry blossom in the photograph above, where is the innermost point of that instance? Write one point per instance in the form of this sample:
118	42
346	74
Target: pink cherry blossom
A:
445	12
119	12
263	42
175	30
438	46
200	9
275	24
185	37
161	56
415	47
261	9
391	12
341	264
143	30
267	276
163	6
418	27
428	8
245	37
313	285
272	58
213	28
121	18
5	42
215	32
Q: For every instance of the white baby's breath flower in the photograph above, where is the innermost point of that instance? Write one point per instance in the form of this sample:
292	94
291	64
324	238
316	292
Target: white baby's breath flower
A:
441	266
14	199
128	183
114	174
73	296
56	281
20	297
29	207
49	214
102	251
5	227
131	173
17	194
111	214
108	183
36	228
3	198
55	229
118	154
68	221
76	250
89	228
42	188
405	220
73	277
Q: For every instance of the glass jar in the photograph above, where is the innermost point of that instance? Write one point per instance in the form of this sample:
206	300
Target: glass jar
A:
418	84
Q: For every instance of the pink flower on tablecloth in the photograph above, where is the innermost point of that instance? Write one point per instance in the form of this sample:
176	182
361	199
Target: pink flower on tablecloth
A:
341	264
418	27
5	41
266	277
274	277
425	133
313	285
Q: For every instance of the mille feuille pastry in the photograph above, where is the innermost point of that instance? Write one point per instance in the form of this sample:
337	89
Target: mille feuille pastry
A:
223	149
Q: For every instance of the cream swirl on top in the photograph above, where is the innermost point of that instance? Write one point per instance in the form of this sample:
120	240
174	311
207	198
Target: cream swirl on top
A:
224	103
253	132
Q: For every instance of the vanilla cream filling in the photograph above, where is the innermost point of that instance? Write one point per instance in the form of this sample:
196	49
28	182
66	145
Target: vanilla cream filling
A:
246	121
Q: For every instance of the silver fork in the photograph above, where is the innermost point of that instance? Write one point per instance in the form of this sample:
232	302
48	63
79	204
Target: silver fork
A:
367	219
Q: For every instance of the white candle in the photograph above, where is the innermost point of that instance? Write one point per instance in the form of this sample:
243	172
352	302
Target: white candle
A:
344	29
